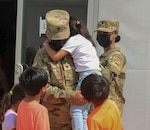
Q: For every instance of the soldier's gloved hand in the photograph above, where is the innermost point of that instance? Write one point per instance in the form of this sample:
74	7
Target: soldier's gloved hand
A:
78	99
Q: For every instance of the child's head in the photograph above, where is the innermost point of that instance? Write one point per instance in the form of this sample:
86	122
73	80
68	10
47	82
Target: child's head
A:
95	89
13	97
32	80
78	27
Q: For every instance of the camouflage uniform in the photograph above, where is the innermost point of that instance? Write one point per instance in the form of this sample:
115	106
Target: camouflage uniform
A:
62	76
113	65
62	79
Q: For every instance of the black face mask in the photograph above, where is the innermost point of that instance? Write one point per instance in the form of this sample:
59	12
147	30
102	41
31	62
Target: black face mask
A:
57	44
104	39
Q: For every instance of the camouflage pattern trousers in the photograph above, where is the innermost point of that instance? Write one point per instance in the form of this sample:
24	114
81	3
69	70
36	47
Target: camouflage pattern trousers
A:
59	116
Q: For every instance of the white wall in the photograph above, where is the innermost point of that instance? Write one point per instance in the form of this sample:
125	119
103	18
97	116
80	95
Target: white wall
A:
134	17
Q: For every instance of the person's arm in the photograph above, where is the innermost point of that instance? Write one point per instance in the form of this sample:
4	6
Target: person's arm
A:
75	97
55	56
114	66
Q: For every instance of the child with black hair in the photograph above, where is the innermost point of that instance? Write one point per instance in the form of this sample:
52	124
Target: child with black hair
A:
9	106
105	115
31	114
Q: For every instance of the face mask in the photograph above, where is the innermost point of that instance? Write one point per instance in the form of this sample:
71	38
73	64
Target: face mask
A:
57	44
104	39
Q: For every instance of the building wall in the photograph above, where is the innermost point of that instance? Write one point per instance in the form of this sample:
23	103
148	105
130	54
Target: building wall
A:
135	44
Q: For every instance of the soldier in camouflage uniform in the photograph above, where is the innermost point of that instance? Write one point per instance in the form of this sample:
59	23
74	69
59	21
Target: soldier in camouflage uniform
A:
113	61
62	75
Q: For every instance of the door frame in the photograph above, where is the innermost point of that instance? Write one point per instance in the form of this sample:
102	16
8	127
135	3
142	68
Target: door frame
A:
19	23
92	16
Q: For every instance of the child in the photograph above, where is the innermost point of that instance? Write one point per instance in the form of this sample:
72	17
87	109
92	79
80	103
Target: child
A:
105	115
81	47
31	114
9	107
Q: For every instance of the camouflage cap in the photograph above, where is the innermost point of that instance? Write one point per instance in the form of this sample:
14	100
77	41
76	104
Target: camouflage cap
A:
108	26
57	22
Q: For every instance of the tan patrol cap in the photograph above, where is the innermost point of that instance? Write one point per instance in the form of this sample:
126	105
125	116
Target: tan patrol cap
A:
108	26
57	22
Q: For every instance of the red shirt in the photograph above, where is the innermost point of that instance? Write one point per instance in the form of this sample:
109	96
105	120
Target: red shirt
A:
32	116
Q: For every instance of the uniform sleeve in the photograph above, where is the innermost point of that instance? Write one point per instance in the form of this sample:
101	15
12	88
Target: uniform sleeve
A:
59	93
56	91
114	66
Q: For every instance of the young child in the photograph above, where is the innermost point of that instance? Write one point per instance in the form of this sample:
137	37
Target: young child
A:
9	107
105	115
81	47
31	114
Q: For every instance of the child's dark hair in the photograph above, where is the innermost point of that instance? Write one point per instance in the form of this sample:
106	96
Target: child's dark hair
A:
95	88
78	27
32	80
15	95
1	93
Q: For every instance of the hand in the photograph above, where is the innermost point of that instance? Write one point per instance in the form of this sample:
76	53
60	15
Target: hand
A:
45	45
78	99
45	42
34	64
